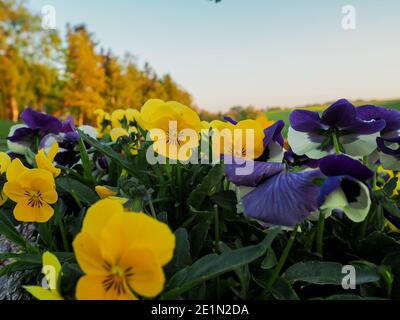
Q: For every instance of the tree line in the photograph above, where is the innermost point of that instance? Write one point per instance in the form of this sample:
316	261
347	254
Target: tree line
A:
75	76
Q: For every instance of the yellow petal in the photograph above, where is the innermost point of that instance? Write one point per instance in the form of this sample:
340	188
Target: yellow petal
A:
42	293
14	191
116	118
98	215
15	170
104	192
117	133
53	151
49	259
148	276
149	109
45	163
88	254
138	230
91	287
50	196
24	212
5	162
132	115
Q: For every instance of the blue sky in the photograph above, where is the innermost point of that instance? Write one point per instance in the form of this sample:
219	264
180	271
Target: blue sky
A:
259	52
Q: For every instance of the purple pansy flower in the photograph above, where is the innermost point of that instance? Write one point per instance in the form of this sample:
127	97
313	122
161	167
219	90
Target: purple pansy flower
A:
345	188
315	136
389	140
272	196
37	124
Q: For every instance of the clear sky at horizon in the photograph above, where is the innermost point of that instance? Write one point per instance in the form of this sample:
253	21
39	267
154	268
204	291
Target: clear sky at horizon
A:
259	52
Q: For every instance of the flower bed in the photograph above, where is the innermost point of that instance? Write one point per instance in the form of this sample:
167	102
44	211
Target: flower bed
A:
159	204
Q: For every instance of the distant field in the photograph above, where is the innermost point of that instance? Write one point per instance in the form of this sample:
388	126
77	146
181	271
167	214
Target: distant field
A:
284	113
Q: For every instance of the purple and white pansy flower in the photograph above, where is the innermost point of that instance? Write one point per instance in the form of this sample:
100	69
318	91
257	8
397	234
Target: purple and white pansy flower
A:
345	188
41	130
339	128
389	139
273	196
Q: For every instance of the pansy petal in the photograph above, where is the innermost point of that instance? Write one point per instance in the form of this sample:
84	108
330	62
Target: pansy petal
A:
366	127
391	116
42	293
330	185
138	230
339	165
26	213
340	114
99	214
88	254
91	287
284	199
303	143
42	121
305	121
359	145
147	277
274	132
15	170
250	173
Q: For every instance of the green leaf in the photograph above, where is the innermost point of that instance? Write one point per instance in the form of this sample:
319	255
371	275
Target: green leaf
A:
213	265
87	168
225	199
77	189
198	235
8	230
109	152
182	256
270	260
281	290
317	272
199	194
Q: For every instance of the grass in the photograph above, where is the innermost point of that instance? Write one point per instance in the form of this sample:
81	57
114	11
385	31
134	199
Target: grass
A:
283	114
4	129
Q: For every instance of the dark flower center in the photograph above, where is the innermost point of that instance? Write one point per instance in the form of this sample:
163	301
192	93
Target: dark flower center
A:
351	189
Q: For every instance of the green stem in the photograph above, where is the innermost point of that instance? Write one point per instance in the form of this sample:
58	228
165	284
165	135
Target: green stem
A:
280	264
64	236
216	229
153	212
336	143
320	234
73	194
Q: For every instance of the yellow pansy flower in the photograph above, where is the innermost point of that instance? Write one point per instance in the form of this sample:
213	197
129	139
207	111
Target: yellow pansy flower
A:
391	175
118	118
173	127
231	139
264	121
33	190
52	271
4	164
121	253
45	162
103	121
117	133
132	115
